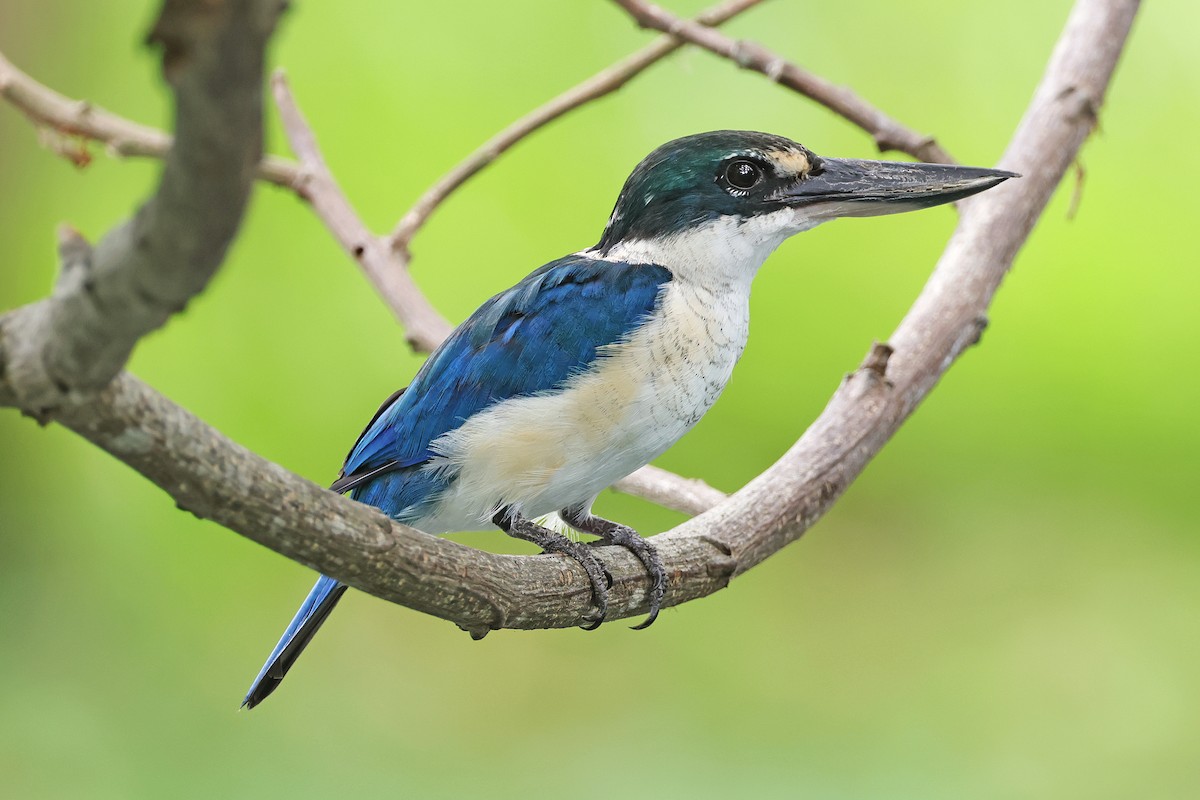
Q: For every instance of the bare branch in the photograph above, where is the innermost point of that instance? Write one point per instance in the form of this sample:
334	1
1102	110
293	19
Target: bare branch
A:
65	118
215	478
887	132
602	83
148	268
424	327
686	495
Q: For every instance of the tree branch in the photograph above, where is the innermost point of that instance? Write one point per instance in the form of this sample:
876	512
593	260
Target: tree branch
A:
63	118
148	268
689	496
215	478
424	327
887	132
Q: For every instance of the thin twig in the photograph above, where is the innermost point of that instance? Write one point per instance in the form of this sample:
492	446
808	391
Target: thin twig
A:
64	117
686	495
887	132
602	83
424	327
67	118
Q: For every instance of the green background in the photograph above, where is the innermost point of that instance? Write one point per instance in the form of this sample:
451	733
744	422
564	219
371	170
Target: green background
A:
1004	605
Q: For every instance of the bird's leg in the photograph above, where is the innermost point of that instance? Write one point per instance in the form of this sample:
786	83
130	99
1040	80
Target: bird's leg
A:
551	542
581	519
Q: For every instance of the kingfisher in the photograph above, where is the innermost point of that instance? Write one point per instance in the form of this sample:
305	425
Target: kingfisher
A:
596	363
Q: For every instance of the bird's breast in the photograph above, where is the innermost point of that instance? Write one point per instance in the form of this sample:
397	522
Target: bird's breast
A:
545	452
686	354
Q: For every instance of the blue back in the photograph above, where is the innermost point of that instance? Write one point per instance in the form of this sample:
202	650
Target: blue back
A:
531	338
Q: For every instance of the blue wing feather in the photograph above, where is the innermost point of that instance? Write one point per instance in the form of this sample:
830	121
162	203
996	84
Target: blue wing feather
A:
531	338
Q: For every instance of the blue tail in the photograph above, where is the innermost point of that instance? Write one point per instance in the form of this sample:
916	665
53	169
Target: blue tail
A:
316	608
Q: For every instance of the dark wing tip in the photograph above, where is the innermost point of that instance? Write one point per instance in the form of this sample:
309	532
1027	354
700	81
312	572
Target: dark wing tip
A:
352	481
260	691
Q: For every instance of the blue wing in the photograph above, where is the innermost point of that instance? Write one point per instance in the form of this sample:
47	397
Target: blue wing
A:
529	339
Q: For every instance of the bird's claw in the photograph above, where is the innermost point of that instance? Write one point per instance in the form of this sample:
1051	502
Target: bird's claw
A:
657	591
553	542
647	553
593	621
598	576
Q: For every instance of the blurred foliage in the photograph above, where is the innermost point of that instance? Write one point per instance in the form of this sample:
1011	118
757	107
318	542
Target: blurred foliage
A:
1005	605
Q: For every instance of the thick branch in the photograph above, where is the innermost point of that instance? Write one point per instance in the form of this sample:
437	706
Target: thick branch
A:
215	478
148	268
887	132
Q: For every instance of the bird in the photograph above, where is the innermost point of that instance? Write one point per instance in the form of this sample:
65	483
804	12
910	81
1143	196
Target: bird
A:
596	363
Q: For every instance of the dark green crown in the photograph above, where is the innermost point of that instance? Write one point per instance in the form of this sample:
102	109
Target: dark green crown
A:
685	183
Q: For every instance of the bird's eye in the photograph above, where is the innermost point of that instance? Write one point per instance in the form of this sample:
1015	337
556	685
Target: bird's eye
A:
743	174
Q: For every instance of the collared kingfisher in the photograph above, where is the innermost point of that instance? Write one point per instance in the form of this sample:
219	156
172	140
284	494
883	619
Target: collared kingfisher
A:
596	363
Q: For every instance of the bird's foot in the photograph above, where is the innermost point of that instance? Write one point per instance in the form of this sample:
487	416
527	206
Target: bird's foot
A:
624	536
551	542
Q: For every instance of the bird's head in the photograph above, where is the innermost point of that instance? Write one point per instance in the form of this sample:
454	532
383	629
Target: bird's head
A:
742	193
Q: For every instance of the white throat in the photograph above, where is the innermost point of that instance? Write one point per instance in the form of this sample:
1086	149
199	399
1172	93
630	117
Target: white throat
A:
728	250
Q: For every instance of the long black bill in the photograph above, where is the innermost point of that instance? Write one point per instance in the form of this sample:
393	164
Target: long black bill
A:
851	187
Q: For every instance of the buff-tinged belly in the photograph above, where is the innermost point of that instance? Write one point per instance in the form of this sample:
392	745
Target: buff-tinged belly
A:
546	452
